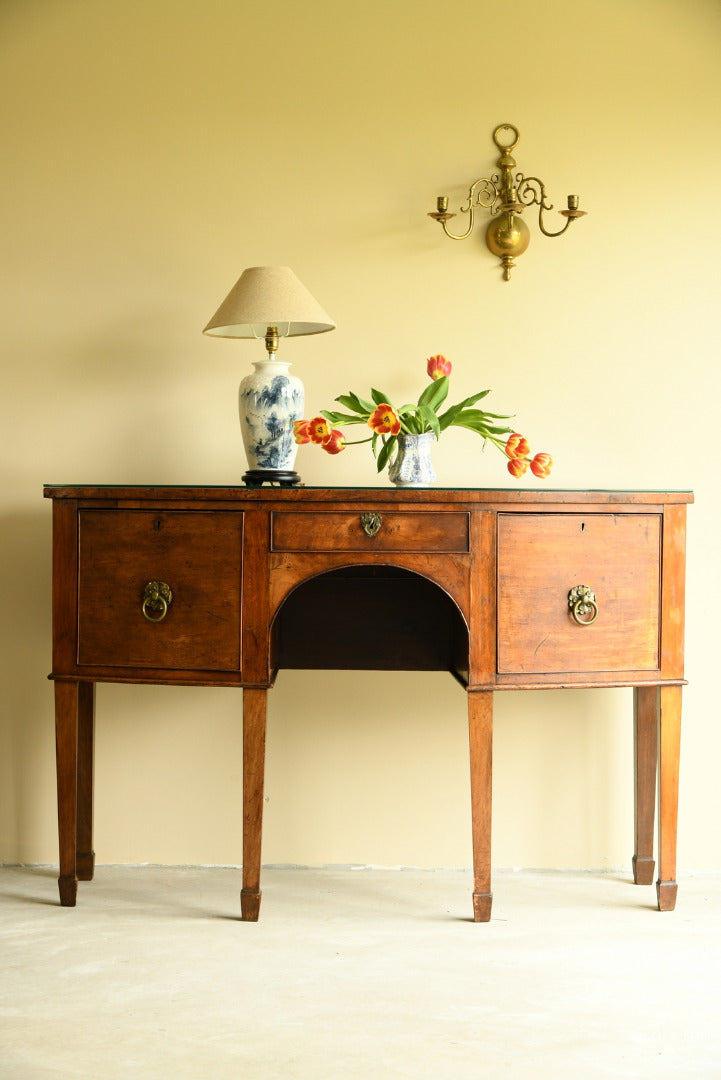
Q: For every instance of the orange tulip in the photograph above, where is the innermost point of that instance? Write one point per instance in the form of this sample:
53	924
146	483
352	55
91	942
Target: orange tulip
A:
335	442
384	421
318	430
541	465
517	466
438	366
301	432
517	446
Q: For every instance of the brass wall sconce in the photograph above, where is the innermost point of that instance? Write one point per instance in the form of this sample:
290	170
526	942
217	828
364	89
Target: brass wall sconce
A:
506	195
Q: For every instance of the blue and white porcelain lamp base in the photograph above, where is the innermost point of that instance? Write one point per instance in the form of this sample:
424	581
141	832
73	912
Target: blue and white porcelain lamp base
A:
269	402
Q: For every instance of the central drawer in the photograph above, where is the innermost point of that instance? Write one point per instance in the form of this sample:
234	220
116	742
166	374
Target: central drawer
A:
369	530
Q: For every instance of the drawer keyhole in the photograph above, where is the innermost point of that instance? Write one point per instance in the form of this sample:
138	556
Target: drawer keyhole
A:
371	523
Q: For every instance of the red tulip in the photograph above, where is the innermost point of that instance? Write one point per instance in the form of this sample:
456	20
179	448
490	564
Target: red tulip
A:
438	366
517	466
318	430
541	465
335	442
517	446
384	421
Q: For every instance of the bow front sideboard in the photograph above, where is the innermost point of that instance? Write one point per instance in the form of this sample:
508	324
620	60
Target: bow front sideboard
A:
505	589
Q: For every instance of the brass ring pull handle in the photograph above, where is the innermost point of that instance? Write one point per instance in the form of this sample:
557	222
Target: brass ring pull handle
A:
157	597
371	523
582	602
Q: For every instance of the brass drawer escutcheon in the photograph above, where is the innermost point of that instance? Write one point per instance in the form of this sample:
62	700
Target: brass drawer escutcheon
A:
371	524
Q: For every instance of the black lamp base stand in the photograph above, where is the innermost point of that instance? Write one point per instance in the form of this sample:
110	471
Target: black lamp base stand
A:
257	477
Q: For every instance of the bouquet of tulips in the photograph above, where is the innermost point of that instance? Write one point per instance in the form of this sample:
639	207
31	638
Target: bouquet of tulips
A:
387	423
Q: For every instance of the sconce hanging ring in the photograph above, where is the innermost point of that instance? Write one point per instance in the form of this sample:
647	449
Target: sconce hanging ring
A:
510	146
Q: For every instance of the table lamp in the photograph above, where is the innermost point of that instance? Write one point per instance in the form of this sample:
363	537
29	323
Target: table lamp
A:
269	302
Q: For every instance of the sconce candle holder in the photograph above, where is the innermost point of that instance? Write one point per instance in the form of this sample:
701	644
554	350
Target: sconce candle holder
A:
506	195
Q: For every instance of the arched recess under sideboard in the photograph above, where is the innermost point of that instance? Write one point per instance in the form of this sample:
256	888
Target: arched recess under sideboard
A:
341	619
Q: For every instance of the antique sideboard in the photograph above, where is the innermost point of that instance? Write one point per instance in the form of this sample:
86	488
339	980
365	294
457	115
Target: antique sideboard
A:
505	589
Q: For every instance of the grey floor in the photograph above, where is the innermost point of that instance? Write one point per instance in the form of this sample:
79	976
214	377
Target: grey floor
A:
357	974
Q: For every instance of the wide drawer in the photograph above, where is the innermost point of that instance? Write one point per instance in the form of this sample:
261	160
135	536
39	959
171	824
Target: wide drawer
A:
368	530
197	555
541	557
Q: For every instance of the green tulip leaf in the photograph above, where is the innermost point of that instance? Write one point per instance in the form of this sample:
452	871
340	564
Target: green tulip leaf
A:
380	398
352	401
435	393
342	418
430	420
386	451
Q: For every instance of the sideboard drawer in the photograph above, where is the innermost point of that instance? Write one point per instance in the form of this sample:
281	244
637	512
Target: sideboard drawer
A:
369	530
197	554
541	557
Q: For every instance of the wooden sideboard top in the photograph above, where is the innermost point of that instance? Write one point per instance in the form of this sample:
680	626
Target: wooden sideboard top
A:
474	496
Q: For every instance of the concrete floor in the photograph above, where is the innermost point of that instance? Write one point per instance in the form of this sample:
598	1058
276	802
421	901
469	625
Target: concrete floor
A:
350	974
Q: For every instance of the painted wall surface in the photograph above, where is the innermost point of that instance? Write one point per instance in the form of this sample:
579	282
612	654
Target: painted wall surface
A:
151	151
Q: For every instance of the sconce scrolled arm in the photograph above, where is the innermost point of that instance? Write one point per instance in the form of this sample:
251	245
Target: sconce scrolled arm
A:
532	190
482	192
446	217
545	231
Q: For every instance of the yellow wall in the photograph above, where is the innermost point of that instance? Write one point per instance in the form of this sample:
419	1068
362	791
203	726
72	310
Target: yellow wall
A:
151	150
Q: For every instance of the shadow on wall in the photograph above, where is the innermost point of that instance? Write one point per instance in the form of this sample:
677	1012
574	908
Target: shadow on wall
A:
122	405
563	780
27	763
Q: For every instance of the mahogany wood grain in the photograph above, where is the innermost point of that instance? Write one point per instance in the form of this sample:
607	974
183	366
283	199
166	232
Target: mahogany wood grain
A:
254	719
483	618
500	499
198	554
480	728
66	749
65	584
84	855
258	660
673	592
474	582
589	680
669	753
542	557
343	531
645	732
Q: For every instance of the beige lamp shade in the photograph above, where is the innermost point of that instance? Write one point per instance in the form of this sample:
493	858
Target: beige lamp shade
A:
266	296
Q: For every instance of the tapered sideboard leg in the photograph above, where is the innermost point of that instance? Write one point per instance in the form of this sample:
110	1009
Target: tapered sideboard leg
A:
645	731
669	752
480	727
66	752
254	715
85	856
